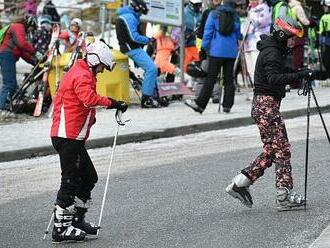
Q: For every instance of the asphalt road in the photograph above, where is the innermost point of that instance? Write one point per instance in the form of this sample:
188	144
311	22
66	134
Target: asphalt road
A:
170	193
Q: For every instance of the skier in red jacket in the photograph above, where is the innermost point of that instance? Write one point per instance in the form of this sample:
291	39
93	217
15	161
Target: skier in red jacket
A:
74	115
13	47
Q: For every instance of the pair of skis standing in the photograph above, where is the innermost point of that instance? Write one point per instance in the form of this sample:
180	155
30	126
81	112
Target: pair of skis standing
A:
41	91
240	62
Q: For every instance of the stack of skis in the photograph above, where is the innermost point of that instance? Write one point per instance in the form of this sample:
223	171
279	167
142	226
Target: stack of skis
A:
33	96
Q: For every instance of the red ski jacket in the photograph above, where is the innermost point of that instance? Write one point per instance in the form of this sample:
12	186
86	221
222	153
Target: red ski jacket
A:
74	112
16	43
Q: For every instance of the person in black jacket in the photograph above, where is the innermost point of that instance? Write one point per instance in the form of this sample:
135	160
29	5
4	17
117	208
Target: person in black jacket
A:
270	79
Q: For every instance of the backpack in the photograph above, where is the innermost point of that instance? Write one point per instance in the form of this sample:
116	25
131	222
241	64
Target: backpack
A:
3	32
226	23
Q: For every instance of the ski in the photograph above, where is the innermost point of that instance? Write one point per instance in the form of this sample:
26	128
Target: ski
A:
27	81
52	51
239	60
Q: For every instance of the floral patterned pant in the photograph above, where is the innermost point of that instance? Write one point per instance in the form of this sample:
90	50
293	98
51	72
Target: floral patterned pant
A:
276	146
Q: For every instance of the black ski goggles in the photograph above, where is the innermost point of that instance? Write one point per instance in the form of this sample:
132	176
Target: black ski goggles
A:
110	68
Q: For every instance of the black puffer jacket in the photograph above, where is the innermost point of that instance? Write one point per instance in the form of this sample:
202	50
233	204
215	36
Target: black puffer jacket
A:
271	75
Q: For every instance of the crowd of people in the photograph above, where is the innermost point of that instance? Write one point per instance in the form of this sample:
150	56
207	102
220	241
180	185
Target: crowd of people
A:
204	43
28	37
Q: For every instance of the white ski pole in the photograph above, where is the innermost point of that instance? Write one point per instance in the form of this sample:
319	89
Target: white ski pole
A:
47	230
120	123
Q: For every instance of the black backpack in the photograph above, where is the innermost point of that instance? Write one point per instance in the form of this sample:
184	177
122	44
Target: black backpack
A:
226	23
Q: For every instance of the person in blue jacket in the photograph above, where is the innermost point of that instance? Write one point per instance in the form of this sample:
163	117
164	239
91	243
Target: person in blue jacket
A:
131	43
222	50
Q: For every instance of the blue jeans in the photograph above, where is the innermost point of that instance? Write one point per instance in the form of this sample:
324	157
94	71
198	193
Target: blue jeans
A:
143	60
8	71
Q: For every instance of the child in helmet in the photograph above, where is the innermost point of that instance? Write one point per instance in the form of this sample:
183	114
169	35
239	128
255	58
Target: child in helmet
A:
74	115
270	79
43	35
70	37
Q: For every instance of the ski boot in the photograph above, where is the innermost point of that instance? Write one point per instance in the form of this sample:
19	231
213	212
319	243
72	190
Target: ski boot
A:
79	218
239	188
163	101
192	104
287	200
149	102
6	114
63	230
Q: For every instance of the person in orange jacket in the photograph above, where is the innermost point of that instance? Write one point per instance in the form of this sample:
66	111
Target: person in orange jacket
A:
165	48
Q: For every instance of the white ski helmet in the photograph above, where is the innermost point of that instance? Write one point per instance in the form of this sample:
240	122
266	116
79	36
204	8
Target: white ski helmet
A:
100	53
76	21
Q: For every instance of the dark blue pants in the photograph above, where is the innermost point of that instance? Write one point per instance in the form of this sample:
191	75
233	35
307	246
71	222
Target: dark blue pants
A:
8	71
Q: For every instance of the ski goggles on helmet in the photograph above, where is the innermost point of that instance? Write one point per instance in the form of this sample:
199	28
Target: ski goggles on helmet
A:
289	29
110	67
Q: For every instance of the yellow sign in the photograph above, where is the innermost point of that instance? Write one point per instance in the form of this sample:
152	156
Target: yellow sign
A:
114	5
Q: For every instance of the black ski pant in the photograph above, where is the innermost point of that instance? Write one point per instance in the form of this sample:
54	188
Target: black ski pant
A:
214	68
326	58
78	173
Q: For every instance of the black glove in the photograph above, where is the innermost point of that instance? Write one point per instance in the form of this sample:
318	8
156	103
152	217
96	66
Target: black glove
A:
202	54
306	74
120	105
152	40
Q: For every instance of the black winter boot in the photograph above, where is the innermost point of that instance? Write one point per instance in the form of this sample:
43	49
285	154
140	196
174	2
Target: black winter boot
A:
63	229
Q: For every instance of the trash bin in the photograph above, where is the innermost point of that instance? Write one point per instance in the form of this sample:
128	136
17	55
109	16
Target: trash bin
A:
114	84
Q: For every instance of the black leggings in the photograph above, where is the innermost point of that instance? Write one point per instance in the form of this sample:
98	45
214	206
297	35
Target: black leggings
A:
78	173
